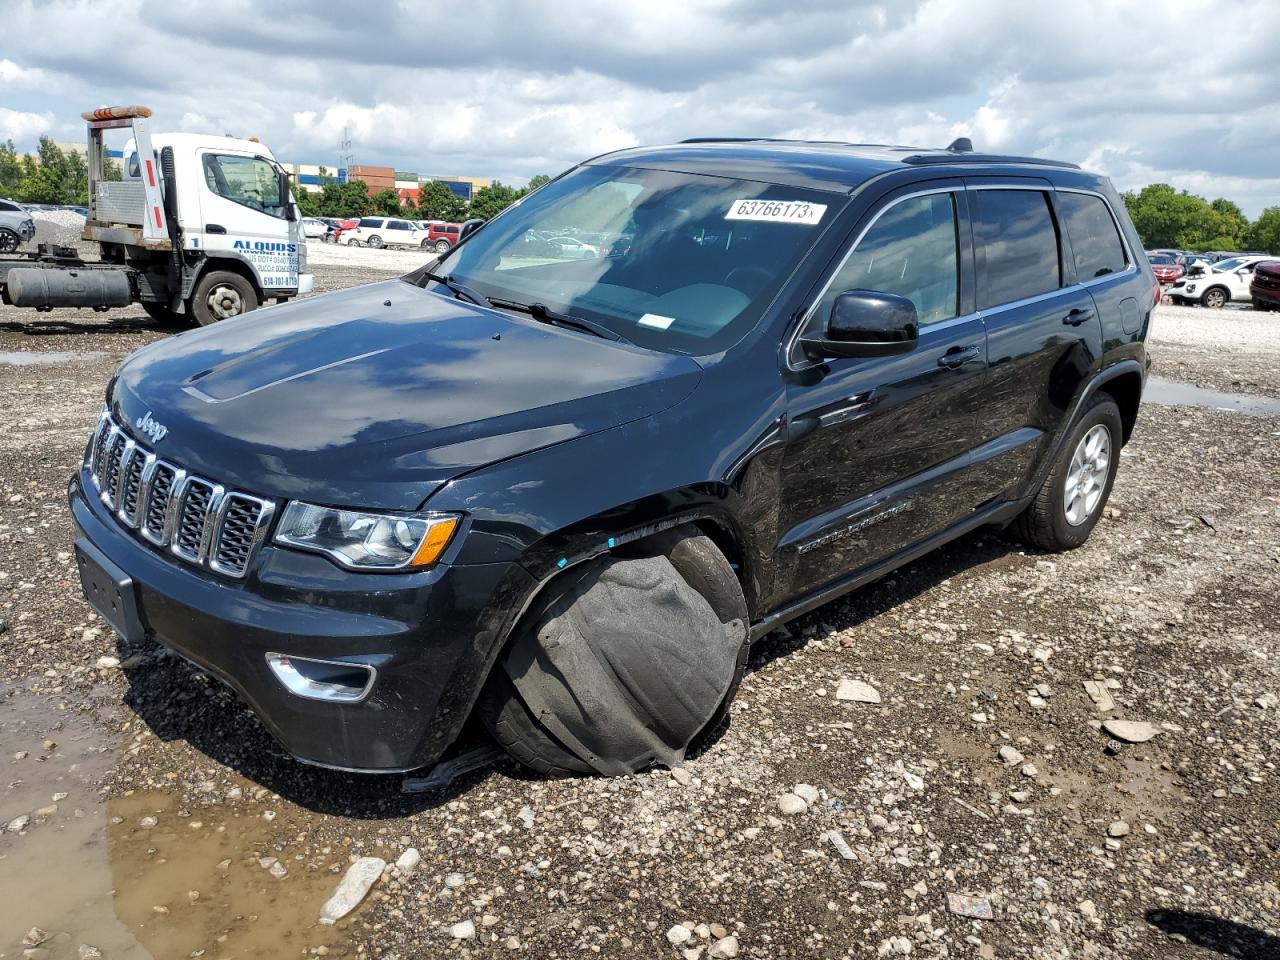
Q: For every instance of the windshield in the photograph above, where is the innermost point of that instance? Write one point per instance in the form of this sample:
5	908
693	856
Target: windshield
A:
1225	266
679	262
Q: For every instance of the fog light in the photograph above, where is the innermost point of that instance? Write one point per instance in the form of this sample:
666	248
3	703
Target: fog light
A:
328	680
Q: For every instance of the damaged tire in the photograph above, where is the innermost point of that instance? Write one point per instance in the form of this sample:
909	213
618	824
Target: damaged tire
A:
623	663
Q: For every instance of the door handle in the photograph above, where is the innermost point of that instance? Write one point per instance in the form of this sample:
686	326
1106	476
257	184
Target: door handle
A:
1077	316
214	228
959	356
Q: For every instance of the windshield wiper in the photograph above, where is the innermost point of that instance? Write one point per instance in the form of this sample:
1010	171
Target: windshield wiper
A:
460	290
544	314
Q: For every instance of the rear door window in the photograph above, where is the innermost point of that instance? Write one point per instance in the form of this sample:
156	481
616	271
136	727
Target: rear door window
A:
1095	240
1016	242
370	223
397	225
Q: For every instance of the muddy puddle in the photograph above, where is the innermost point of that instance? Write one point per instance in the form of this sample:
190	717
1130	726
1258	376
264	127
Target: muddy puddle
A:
1172	393
138	876
33	358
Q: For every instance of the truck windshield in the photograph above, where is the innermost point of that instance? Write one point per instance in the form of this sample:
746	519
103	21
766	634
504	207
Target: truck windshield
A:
678	262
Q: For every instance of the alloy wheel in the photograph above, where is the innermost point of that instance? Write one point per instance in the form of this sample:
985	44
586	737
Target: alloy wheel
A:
1087	477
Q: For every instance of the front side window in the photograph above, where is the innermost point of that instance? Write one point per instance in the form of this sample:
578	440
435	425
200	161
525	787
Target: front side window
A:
1095	241
909	251
672	261
398	225
248	181
1016	242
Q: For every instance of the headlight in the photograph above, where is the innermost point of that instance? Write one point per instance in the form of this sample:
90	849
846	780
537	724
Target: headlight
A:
1191	288
367	541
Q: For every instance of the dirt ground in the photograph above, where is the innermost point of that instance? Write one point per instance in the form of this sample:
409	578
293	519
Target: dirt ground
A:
145	812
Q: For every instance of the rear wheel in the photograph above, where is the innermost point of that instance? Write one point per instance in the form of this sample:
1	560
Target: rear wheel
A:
442	246
8	240
623	663
221	295
1069	503
1215	298
375	241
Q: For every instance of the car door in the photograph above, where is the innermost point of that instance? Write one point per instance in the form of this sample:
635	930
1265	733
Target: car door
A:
399	232
877	451
244	216
1043	331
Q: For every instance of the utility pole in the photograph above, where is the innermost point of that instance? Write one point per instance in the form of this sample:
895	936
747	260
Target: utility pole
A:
345	157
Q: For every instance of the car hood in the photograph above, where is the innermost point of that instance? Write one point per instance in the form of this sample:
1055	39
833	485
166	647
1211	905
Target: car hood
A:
377	395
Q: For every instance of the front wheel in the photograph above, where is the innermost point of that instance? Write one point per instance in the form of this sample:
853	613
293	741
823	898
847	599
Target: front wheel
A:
623	663
1069	503
8	240
221	295
1214	298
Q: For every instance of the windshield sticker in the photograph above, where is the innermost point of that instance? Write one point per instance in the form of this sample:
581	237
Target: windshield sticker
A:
656	320
777	211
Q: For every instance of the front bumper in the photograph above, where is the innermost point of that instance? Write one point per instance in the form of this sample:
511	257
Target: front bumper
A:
1265	293
430	636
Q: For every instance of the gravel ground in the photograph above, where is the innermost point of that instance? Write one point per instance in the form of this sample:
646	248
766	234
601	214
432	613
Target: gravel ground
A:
148	813
1236	349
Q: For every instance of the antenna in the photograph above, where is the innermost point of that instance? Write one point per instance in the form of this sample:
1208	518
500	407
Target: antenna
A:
345	156
961	145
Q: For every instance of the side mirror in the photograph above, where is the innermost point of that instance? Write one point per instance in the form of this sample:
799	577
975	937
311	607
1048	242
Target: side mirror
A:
286	196
469	227
866	323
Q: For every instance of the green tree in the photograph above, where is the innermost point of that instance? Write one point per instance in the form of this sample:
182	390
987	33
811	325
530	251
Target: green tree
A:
488	202
536	182
1166	217
437	202
1264	233
350	199
308	201
387	202
10	170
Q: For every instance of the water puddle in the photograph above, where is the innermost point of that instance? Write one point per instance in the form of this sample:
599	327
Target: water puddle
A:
1172	393
137	876
36	358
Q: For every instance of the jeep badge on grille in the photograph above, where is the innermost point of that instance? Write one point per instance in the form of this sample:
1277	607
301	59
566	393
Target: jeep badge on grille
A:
152	428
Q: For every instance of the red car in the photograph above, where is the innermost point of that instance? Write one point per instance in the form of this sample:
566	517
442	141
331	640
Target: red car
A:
339	227
1265	288
1166	268
442	236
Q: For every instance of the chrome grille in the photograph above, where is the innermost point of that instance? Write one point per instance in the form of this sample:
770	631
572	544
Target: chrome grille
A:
196	519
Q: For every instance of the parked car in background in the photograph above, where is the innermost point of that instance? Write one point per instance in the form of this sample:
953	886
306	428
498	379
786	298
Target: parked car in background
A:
1166	267
383	232
1223	282
314	227
571	248
16	225
1264	291
442	236
337	226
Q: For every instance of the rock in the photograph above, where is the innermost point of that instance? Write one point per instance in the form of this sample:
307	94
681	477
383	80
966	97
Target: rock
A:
718	931
1118	829
34	937
488	920
512	943
806	792
725	947
791	804
107	663
1036	702
18	824
408	861
1029	770
1101	697
857	692
466	930
278	870
455	881
682	776
678	934
525	816
88	951
1087	908
1129	731
914	782
1011	756
1267	701
360	876
146	823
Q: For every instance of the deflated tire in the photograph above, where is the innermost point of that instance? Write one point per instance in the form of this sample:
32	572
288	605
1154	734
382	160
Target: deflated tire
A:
624	664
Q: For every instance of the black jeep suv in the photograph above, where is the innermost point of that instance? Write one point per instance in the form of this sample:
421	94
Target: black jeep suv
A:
566	484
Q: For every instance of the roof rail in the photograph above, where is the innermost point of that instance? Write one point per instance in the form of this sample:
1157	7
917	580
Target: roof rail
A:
949	157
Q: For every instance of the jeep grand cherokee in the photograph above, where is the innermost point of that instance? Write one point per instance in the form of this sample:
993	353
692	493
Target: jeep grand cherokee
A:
568	492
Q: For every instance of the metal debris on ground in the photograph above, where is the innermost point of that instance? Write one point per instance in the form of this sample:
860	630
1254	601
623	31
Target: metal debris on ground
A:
970	905
443	774
842	846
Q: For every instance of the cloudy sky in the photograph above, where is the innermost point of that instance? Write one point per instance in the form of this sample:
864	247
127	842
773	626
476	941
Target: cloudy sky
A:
1185	93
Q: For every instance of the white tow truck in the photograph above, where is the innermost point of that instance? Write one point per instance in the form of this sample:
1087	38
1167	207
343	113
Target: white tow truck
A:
200	228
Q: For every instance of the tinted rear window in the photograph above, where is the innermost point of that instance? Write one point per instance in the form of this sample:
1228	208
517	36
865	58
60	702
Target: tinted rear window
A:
1095	241
370	222
1017	246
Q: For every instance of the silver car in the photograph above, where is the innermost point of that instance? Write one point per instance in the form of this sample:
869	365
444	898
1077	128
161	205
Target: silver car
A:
16	225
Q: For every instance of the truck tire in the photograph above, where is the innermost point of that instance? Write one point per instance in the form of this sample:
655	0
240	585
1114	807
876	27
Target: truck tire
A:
8	240
221	295
1069	503
623	663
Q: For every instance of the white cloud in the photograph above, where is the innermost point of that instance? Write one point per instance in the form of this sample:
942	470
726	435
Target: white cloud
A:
524	90
23	127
